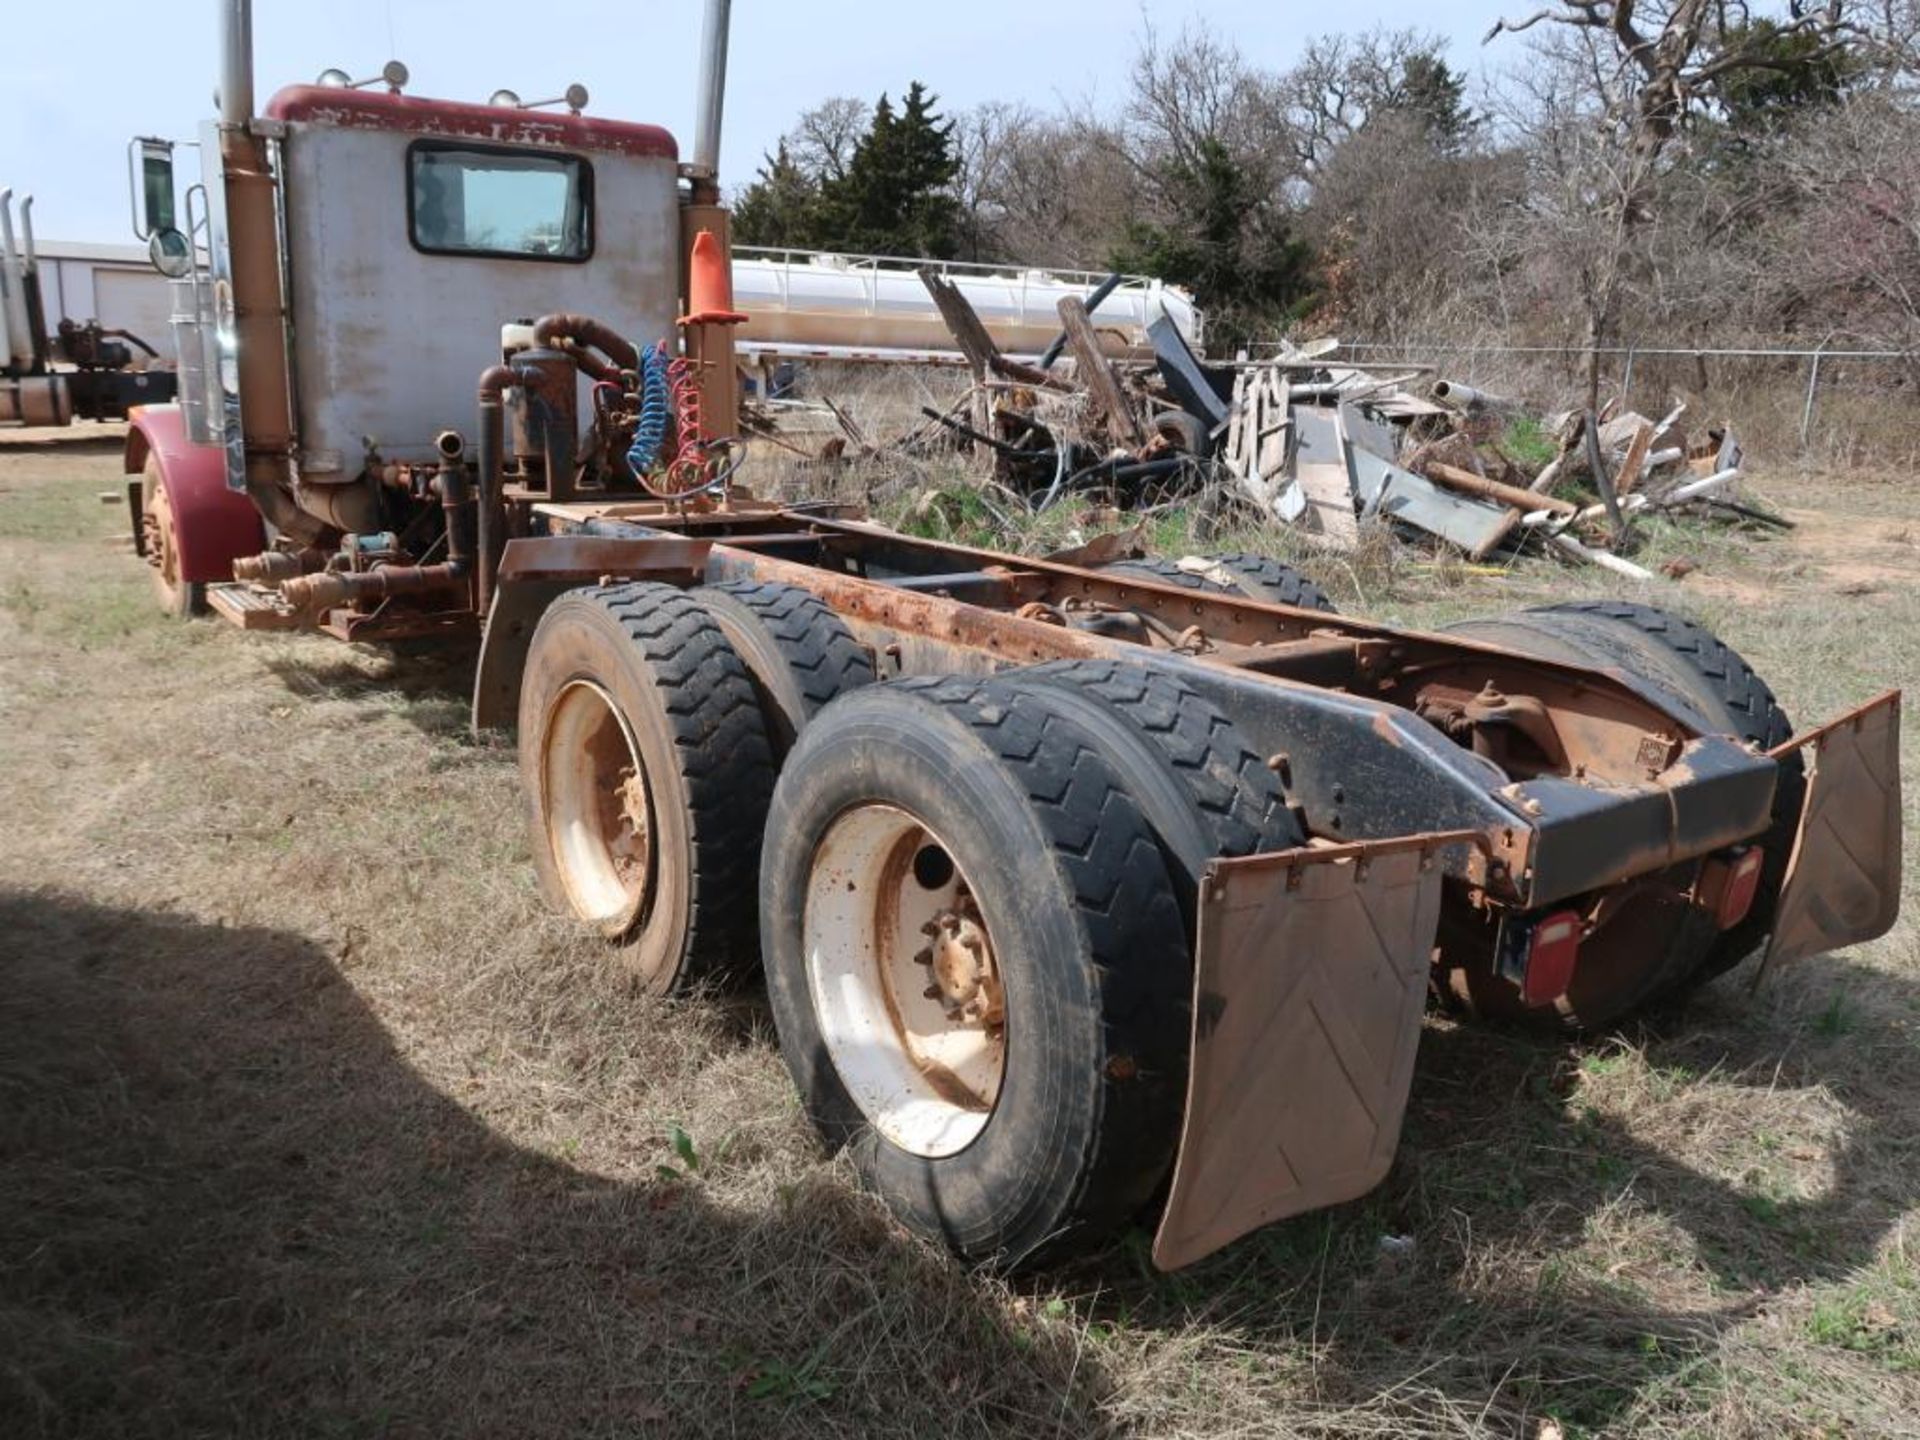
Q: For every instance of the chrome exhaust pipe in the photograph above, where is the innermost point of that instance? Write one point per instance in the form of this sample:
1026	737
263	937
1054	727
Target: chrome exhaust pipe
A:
713	91
236	62
19	331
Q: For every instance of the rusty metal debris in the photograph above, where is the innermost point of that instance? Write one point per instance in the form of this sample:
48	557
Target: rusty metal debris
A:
1306	441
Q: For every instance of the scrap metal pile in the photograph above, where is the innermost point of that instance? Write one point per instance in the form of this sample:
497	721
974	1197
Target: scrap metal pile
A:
1320	447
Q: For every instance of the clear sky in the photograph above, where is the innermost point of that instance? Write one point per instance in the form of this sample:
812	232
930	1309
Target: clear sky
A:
78	79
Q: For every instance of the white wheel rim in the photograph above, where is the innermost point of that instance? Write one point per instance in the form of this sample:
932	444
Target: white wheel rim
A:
925	1070
599	808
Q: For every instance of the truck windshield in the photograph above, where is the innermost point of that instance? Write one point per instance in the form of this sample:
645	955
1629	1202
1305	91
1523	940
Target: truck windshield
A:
471	200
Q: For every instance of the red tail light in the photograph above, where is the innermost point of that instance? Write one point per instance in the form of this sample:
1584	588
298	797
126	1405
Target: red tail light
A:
1729	883
1551	953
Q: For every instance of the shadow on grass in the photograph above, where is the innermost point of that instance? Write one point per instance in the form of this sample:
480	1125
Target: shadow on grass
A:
69	441
228	1206
1562	1265
428	683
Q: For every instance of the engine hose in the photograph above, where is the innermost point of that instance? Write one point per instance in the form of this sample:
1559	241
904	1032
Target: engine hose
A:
656	409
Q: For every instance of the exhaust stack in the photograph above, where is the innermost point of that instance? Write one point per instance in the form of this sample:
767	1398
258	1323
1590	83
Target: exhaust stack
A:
260	318
236	62
14	274
713	92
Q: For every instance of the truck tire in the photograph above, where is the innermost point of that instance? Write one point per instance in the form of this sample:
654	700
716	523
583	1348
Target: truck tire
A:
798	653
1260	578
1026	1104
1254	577
1165	572
1203	789
182	599
647	773
1705	682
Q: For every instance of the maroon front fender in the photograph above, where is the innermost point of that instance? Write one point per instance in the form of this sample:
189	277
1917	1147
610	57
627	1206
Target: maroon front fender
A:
213	526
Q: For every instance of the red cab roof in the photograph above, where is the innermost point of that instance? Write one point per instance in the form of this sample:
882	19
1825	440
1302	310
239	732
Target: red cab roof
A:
455	120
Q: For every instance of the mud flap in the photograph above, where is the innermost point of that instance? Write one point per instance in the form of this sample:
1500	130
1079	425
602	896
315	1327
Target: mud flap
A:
1310	978
1843	880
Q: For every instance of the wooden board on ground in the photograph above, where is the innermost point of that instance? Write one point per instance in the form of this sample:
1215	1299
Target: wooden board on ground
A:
1095	371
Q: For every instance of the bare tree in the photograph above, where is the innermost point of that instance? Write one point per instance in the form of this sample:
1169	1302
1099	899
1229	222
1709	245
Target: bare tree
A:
1648	66
1195	92
822	141
1852	240
1342	81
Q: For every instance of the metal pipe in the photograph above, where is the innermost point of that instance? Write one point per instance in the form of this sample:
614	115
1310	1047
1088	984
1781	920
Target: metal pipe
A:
1452	392
311	594
1813	390
550	331
26	235
713	91
456	503
236	62
491	538
19	332
259	309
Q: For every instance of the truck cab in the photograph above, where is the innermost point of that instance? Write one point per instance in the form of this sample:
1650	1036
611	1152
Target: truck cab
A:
415	226
352	259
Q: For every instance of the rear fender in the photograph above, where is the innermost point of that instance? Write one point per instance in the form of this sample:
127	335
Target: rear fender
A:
1310	978
213	526
1842	884
535	572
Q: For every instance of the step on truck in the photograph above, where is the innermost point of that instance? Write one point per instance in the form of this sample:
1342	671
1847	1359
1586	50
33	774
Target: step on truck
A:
1086	890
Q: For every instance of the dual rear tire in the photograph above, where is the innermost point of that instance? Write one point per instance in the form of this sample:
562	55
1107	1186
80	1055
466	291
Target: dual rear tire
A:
973	899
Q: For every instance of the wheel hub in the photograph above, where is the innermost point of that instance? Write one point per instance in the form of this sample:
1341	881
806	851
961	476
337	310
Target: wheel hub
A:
632	843
965	980
905	984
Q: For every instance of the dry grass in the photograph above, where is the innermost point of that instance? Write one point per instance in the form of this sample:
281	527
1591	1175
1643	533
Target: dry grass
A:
313	1121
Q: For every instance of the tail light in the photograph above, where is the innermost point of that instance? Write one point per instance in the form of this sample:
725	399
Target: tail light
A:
1552	949
1728	884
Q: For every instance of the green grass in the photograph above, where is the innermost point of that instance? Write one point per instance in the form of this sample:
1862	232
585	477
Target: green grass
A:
1529	443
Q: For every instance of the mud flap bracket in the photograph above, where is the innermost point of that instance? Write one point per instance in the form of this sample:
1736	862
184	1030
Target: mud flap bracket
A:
1310	978
1843	880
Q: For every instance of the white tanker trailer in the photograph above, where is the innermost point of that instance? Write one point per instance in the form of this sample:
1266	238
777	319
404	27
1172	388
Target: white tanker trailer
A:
804	304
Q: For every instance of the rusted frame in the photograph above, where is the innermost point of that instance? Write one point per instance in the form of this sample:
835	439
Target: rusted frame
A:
1366	766
1608	710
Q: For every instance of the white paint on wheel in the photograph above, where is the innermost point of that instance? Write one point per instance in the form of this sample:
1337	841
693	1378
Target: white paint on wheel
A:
599	811
884	894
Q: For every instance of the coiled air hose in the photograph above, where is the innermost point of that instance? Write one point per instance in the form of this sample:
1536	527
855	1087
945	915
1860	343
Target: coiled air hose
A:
656	410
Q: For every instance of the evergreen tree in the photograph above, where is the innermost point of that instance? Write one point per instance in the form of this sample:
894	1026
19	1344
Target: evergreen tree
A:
896	197
1798	72
1231	245
1433	93
781	208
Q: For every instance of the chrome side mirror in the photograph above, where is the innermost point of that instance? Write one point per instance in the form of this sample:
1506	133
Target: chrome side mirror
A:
171	253
150	185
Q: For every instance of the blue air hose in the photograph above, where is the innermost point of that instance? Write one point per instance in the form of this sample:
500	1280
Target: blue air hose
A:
656	409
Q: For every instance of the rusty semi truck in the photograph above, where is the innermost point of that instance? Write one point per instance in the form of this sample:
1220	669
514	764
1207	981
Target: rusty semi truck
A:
1082	888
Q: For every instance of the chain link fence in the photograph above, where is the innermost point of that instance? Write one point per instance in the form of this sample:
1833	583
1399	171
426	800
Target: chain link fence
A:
1821	404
